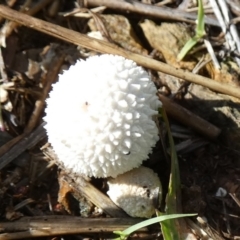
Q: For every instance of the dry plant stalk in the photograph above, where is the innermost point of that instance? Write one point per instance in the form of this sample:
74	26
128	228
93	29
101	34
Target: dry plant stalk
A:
30	227
95	196
105	47
10	26
19	144
188	118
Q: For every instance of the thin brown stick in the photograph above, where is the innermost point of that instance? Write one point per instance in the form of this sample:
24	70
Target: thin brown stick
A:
105	47
150	10
235	198
20	144
5	148
95	196
10	26
29	227
188	118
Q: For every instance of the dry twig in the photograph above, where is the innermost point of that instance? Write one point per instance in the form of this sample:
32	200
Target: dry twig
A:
105	47
61	225
10	26
95	196
188	118
150	10
20	144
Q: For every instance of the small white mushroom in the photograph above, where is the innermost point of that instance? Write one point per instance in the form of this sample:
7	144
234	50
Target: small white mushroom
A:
99	116
136	192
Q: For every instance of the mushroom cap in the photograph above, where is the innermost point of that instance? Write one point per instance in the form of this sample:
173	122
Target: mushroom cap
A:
135	192
99	116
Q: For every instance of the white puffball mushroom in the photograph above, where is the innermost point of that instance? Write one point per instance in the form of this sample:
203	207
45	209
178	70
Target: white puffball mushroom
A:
99	116
136	191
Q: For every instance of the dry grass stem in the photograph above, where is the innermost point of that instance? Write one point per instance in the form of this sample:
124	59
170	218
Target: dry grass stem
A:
61	225
105	47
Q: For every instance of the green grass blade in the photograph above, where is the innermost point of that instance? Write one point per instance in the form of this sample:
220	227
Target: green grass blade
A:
170	228
200	31
187	47
124	234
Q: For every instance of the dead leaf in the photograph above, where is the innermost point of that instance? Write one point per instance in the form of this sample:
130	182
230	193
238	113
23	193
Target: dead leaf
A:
229	72
168	38
120	31
11	214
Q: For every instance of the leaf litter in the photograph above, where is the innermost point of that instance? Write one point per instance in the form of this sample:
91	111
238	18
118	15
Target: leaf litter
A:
32	188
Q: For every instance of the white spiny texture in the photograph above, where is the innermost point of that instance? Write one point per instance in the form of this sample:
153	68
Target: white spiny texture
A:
99	116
